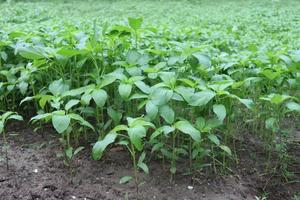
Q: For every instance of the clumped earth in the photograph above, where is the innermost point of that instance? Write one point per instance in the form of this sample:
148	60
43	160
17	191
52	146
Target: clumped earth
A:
36	172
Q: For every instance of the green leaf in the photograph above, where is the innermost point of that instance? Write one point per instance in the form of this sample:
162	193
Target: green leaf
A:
125	90
82	121
125	179
151	110
144	167
100	146
120	127
201	98
136	134
142	157
58	87
200	123
226	149
61	122
247	102
155	134
1	127
72	52
69	152
38	117
78	150
270	123
270	74
161	96
277	98
23	86
99	97
15	117
141	163
116	116
135	23
71	103
202	59
293	106
187	128
211	124
167	113
44	99
220	111
31	53
86	99
214	139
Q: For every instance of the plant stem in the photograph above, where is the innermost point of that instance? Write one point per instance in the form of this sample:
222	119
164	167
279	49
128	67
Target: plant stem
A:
5	145
136	180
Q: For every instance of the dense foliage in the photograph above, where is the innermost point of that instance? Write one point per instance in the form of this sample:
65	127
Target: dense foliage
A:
172	82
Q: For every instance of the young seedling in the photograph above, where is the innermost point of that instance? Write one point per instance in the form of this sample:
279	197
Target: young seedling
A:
64	123
4	118
133	140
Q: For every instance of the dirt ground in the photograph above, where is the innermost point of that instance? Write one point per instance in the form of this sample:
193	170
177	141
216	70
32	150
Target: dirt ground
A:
37	173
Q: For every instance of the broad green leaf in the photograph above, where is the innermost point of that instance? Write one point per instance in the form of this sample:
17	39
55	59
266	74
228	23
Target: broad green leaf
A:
161	96
31	53
135	23
293	106
116	116
76	92
71	103
136	134
23	86
211	124
151	110
82	121
202	59
120	127
167	129
226	149
125	90
107	80
100	146
44	99
58	87
214	139
72	52
187	128
247	102
201	98
45	116
143	87
270	74
200	123
167	113
99	96
220	111
155	134
61	122
86	99
277	98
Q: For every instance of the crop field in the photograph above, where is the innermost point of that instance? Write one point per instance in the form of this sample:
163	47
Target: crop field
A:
160	99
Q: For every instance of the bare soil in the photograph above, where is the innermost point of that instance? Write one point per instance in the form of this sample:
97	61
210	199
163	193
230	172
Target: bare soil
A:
37	173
